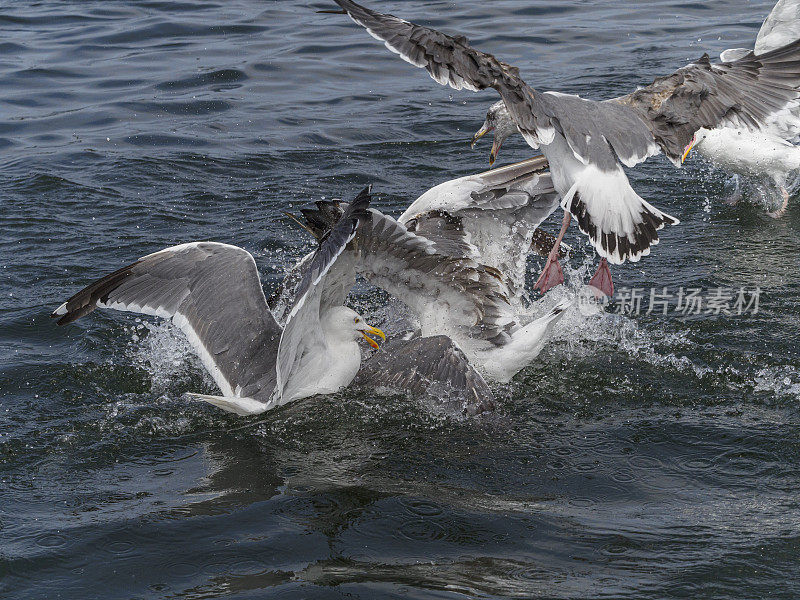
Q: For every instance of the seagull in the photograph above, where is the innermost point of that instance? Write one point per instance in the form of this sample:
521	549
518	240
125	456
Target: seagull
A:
587	142
433	268
769	153
751	154
212	292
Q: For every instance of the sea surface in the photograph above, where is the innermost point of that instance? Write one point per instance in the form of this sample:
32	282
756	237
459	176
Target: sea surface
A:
642	456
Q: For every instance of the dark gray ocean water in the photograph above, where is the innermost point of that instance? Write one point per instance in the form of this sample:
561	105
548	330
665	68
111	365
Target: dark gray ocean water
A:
640	457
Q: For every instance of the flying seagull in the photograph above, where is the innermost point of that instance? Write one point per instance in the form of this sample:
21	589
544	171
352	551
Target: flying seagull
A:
588	142
767	153
212	292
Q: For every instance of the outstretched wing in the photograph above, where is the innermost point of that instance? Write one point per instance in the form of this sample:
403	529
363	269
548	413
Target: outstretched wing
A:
751	92
303	331
748	92
599	134
450	60
212	292
430	281
433	365
495	215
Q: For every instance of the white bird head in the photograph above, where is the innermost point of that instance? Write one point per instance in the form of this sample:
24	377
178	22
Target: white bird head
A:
499	120
699	136
346	325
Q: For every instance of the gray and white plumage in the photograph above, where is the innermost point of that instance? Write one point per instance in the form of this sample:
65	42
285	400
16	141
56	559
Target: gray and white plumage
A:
424	273
437	274
768	154
781	27
587	142
492	217
212	292
305	346
429	365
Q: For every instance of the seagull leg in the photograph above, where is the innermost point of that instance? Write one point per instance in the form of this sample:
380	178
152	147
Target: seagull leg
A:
780	212
602	280
552	275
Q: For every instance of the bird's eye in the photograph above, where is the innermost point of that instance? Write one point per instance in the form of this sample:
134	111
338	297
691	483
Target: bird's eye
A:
357	320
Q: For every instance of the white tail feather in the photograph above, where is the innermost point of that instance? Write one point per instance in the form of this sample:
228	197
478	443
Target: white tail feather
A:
241	406
525	345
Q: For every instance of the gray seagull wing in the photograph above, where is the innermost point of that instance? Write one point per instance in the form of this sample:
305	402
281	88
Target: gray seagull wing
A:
303	331
212	292
751	92
414	270
428	365
495	215
450	60
747	92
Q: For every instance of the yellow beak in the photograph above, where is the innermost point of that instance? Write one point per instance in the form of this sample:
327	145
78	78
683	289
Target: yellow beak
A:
479	134
373	331
688	149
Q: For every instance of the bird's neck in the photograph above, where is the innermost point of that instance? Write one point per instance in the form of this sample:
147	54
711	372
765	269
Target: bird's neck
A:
343	362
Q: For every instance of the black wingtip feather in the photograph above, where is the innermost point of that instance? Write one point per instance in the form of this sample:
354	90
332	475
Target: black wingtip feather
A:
85	301
340	227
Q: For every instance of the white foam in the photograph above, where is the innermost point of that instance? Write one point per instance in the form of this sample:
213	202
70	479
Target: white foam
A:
163	351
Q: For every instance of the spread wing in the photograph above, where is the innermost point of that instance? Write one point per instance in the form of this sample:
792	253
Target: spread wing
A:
751	92
432	365
748	92
212	292
303	331
492	216
450	60
430	281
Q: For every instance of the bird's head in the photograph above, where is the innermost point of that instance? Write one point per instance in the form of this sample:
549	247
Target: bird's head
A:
347	325
699	136
498	120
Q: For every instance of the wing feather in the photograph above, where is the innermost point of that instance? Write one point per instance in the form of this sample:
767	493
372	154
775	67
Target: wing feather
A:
303	330
211	291
429	365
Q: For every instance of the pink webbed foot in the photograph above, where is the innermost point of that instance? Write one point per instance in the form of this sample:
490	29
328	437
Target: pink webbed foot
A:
551	276
602	280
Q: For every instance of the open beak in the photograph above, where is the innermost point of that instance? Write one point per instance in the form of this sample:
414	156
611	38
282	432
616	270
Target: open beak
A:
494	152
480	133
688	149
373	331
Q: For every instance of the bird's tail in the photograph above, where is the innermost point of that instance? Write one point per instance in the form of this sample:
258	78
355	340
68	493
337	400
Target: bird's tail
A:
241	406
525	344
621	225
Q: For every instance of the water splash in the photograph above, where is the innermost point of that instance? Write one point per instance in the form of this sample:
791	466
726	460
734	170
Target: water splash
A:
783	381
164	352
